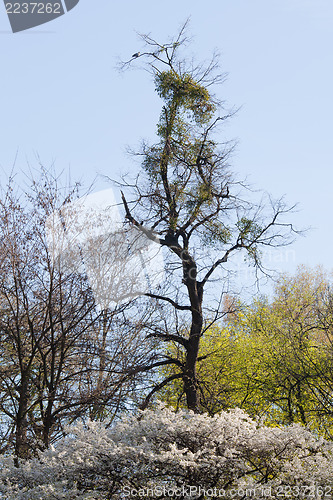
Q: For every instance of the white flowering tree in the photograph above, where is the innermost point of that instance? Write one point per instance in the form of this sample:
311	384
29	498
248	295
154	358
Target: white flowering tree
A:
162	454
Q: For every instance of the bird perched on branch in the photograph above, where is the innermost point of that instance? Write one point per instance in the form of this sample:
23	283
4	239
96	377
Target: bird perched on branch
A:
134	56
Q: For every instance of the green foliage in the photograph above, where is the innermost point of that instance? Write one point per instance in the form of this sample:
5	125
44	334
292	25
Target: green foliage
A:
183	92
216	233
216	361
184	158
273	358
248	230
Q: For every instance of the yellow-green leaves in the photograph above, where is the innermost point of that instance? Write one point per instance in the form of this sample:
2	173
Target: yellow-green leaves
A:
183	93
248	229
273	358
215	233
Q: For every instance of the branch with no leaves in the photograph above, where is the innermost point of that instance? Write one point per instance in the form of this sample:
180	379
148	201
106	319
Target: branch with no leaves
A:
172	302
146	368
158	387
169	337
147	232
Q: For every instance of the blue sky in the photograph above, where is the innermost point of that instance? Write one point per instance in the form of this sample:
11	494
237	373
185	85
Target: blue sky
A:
63	99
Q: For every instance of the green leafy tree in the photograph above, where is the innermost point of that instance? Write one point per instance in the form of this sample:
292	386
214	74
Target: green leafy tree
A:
272	358
288	346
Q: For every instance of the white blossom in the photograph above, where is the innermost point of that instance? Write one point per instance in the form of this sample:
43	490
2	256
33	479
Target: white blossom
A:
162	448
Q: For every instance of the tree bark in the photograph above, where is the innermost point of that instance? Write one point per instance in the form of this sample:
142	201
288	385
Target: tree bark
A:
195	293
21	438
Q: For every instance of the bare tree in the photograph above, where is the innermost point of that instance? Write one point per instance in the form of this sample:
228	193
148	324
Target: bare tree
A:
186	199
62	358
